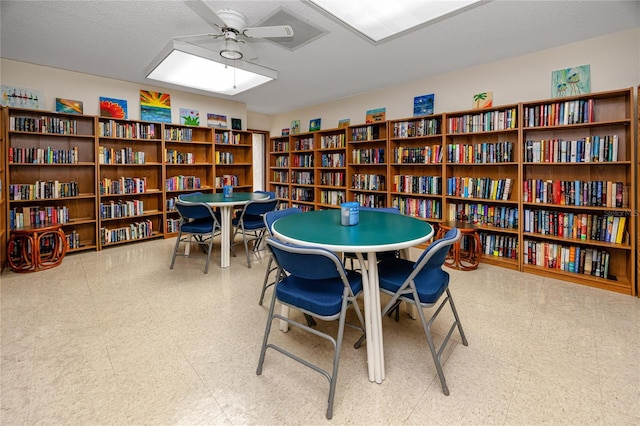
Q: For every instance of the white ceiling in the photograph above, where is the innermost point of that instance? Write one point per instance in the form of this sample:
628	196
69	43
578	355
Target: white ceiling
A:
118	39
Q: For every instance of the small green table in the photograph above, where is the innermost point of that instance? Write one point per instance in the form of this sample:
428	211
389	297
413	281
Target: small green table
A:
375	232
226	205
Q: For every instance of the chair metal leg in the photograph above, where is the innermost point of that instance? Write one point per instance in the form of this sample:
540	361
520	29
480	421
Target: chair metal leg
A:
266	279
210	249
455	315
175	249
267	330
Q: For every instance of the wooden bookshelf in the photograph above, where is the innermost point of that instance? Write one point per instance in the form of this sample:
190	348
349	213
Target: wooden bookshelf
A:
51	173
188	152
481	178
415	156
130	177
579	167
367	173
278	176
233	158
3	190
302	167
331	167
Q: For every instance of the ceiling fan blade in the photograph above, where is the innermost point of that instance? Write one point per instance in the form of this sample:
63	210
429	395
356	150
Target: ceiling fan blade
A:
269	32
199	38
203	11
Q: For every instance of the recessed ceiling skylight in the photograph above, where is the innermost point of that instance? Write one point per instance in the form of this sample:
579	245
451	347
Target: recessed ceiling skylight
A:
380	19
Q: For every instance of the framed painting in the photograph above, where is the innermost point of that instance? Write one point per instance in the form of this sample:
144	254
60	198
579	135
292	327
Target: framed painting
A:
113	108
571	81
155	106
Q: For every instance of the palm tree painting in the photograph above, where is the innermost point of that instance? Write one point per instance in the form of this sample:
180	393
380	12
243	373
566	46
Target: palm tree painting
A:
483	100
571	81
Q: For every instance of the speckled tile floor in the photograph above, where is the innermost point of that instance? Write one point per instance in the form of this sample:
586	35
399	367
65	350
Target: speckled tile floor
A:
116	338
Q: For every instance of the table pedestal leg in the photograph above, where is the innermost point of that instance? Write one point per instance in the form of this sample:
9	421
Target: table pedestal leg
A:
372	317
225	236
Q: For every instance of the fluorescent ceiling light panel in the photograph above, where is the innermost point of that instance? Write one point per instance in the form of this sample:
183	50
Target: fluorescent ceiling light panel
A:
381	19
189	65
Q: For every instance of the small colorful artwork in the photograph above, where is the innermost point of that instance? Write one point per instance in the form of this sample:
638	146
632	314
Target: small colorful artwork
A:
285	132
69	106
217	120
376	115
236	124
344	122
189	117
155	106
423	105
113	108
571	81
295	127
314	124
483	100
21	97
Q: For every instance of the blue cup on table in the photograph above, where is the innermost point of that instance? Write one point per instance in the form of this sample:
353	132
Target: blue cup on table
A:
349	213
227	191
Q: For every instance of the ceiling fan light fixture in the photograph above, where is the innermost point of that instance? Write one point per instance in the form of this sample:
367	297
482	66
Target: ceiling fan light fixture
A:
231	50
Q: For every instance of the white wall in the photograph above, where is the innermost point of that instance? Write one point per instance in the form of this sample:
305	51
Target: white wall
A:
614	62
57	83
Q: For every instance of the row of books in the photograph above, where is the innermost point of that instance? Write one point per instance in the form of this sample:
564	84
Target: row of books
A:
302	160
280	176
19	217
44	124
134	231
430	185
368	156
120	208
559	113
303	207
282	191
365	133
336	159
332	197
588	150
505	217
302	178
370	182
415	128
226	179
303	144
282	161
124	155
228	139
579	226
224	157
302	194
41	190
171	156
73	239
576	193
370	200
431	154
123	185
47	243
180	182
116	129
482	153
172	225
280	146
569	258
46	155
484	121
179	134
483	187
418	207
332	178
497	245
171	204
333	141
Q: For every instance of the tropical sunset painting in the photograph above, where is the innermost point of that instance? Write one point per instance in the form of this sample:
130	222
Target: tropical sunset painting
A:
155	106
113	108
482	100
69	106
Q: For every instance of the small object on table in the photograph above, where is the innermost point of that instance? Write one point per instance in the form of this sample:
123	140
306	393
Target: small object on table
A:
462	260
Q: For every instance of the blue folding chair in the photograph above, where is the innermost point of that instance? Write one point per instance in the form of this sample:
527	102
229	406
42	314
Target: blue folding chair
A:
269	218
197	221
423	284
317	284
250	223
379	256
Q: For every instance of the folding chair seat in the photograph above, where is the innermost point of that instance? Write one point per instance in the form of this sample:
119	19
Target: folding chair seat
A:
269	218
423	284
379	256
197	221
316	283
250	223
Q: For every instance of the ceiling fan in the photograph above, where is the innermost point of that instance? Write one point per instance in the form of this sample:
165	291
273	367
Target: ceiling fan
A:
232	33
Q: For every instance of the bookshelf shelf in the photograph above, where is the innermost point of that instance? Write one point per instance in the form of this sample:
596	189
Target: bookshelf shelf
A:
233	161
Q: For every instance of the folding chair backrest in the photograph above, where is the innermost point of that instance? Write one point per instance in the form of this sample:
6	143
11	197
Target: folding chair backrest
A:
274	215
311	263
185	197
271	194
435	255
260	207
194	210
